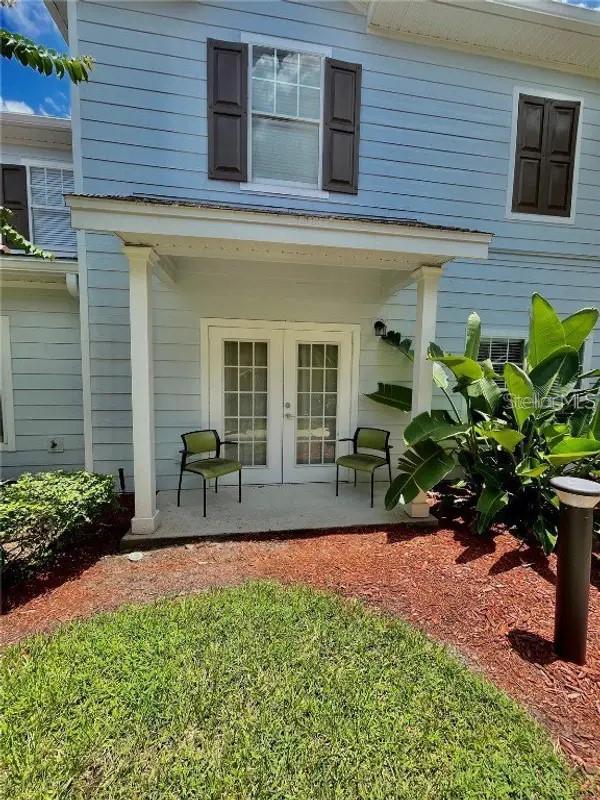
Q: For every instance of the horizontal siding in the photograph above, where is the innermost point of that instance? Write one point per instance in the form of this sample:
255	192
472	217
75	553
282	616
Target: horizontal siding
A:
46	370
435	142
428	102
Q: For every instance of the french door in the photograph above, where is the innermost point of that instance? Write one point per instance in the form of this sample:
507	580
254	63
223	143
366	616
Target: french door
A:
282	397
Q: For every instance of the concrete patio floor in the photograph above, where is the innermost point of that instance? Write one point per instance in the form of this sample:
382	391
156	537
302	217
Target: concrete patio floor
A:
268	509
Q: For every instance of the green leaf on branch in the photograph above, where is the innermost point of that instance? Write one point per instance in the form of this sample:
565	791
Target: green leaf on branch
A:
555	374
393	395
546	333
522	392
426	426
531	468
507	438
421	468
571	449
578	326
15	241
43	59
490	503
462	368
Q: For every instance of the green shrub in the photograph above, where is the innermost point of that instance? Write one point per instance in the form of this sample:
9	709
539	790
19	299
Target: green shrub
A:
41	514
511	438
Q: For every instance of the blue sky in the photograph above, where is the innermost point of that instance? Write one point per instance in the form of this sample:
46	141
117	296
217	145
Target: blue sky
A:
23	90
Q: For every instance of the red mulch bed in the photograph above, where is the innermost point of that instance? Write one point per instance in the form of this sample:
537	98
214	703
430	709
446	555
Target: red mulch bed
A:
491	599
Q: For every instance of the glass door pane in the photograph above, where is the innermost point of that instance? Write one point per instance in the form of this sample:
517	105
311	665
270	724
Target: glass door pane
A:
316	403
245	381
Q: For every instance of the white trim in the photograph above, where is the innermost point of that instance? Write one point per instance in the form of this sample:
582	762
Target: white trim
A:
8	403
286	44
294	191
276	187
384	246
86	368
263	324
551	95
141	261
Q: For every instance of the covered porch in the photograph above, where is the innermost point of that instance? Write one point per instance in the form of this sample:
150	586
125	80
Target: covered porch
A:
179	247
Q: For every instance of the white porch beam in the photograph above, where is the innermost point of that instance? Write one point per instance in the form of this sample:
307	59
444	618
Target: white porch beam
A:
427	279
142	263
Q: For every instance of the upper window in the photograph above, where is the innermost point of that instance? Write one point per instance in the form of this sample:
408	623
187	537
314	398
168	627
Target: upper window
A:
285	117
545	152
7	414
50	219
499	350
35	195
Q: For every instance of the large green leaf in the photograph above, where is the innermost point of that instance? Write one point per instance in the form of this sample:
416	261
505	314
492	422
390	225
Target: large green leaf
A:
572	448
393	395
555	374
473	336
521	392
421	468
487	389
578	326
426	426
461	367
594	430
546	333
491	501
507	438
531	468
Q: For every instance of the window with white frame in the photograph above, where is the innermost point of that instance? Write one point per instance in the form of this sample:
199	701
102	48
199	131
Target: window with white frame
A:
285	117
7	415
50	218
502	349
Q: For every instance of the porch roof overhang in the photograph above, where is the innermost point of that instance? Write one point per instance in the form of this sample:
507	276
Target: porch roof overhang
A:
29	272
181	228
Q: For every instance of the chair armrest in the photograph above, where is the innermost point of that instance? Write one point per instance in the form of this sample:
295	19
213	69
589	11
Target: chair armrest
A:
346	440
228	441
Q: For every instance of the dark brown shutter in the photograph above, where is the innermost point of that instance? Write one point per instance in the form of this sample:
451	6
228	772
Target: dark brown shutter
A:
341	126
545	156
557	186
13	195
227	110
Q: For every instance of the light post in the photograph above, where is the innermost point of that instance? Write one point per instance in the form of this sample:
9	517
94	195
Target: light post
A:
578	498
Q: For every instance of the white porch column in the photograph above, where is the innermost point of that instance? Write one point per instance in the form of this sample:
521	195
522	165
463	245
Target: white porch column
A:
427	279
142	261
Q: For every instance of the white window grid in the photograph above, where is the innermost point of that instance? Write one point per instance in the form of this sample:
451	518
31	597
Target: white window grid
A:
295	118
317	403
248	426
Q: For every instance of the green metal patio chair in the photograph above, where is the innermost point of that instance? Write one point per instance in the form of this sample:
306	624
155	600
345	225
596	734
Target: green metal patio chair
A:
371	439
197	443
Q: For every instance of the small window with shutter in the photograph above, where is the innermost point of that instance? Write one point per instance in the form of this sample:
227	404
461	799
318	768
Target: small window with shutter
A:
282	118
546	144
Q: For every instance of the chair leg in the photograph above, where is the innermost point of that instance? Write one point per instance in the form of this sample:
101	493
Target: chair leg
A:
390	471
216	485
204	495
179	489
372	486
355	474
337	480
240	486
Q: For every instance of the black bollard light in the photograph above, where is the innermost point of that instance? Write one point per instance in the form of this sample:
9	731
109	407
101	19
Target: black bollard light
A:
578	498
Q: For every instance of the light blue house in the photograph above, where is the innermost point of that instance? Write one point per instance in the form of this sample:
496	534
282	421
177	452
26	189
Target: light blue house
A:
256	184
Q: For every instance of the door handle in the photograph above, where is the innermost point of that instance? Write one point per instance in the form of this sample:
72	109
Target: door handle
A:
289	415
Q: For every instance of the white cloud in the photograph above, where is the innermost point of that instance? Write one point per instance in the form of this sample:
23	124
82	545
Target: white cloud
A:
30	18
16	107
57	106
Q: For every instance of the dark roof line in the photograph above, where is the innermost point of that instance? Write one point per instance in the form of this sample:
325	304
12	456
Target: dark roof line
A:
186	203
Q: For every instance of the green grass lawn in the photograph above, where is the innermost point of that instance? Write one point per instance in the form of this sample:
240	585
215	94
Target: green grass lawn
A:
261	691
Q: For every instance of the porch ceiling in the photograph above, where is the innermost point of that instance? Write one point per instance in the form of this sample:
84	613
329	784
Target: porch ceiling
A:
175	228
